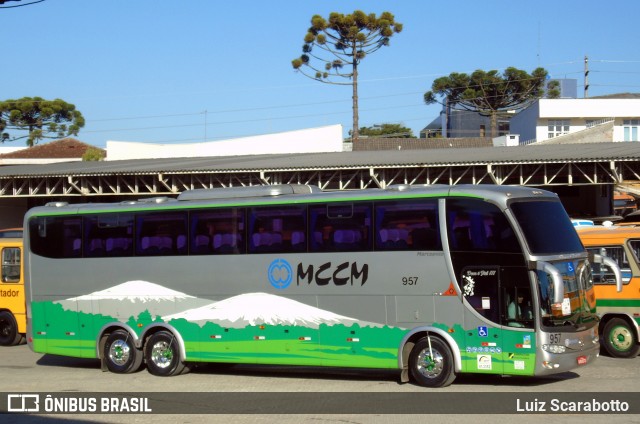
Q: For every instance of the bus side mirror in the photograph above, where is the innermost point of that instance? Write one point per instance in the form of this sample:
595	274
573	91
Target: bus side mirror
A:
556	277
607	261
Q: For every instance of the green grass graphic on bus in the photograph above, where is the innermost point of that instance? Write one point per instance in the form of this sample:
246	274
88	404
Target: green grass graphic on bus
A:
252	328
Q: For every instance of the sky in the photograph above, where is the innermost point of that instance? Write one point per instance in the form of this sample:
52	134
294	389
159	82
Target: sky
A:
172	72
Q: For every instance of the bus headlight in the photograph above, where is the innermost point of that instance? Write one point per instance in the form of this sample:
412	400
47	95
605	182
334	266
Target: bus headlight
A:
554	348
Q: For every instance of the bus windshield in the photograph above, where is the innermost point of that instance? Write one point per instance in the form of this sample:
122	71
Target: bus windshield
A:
546	236
579	300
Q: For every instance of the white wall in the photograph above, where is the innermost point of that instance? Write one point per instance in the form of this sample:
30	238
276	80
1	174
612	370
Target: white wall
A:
589	108
313	140
532	123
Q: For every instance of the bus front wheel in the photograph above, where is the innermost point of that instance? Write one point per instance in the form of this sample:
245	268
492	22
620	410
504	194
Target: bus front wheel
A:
431	363
619	339
162	354
9	335
121	354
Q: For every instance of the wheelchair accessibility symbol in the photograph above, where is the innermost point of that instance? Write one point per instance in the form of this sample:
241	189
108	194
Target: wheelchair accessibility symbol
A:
483	332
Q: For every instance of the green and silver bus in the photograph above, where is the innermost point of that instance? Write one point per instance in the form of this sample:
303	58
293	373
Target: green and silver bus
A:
433	281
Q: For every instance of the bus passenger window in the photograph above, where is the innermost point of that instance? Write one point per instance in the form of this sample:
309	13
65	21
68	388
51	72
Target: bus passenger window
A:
479	227
161	234
277	229
340	227
108	235
56	237
217	232
407	225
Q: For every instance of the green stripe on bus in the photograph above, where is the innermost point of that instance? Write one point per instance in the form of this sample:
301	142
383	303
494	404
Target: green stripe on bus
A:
628	303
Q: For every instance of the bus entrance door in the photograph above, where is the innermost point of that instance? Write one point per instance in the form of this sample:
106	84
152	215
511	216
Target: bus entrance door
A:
483	337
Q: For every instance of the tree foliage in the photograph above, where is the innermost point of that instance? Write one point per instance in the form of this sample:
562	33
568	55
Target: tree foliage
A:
93	154
339	44
40	118
387	130
490	93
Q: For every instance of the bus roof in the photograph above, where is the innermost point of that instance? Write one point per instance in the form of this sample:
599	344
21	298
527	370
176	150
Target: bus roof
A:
599	234
282	194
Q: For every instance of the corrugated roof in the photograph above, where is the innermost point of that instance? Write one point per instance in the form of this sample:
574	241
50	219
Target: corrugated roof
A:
359	159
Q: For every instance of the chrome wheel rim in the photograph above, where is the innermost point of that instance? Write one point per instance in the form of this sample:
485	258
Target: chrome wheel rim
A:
119	352
430	366
162	354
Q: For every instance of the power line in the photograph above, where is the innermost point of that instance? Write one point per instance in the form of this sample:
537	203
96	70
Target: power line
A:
19	5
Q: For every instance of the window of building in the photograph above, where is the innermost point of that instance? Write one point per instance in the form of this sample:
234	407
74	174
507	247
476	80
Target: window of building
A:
558	127
630	128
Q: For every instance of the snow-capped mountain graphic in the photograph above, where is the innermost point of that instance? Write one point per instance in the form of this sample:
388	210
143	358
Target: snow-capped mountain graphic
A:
262	308
136	291
131	298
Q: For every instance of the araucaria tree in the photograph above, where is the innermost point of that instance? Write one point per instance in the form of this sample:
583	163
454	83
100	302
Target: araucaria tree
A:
490	93
340	43
40	118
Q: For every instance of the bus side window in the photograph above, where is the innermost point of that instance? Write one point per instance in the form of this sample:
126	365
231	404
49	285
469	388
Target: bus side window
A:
279	229
161	234
11	265
217	231
407	225
340	227
479	227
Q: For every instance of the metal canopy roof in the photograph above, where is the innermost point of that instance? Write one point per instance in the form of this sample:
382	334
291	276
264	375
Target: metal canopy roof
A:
551	164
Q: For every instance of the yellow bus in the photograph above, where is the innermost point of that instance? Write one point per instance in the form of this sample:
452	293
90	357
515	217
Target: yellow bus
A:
619	311
13	324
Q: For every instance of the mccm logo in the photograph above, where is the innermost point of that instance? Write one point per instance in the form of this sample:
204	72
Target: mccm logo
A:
280	274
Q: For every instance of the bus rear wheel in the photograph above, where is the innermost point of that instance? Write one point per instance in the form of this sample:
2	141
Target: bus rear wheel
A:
9	335
121	354
162	354
431	363
619	339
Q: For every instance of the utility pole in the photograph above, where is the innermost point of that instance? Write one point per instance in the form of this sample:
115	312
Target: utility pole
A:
586	77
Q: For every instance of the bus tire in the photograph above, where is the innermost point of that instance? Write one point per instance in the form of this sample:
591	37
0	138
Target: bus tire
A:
162	355
120	353
619	339
428	371
9	335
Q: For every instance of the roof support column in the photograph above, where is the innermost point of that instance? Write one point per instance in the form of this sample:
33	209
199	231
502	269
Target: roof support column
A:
374	177
614	171
492	174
